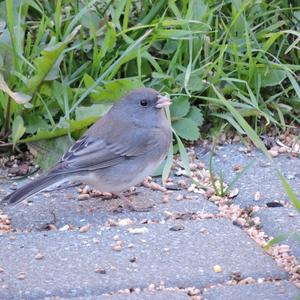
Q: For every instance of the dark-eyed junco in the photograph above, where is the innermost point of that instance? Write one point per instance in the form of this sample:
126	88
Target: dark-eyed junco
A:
117	152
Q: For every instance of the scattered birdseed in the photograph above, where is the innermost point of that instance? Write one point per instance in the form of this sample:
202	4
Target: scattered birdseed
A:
100	271
116	237
117	247
39	256
257	196
22	275
124	222
179	197
85	228
273	152
64	228
165	198
138	230
217	269
83	197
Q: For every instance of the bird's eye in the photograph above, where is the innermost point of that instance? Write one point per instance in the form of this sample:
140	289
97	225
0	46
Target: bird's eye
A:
144	102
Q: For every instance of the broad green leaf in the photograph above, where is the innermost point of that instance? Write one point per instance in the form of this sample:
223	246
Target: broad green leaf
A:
194	84
159	170
183	155
187	129
109	40
111	68
48	152
168	165
95	110
18	129
180	107
72	126
111	90
196	115
294	83
45	63
35	122
271	77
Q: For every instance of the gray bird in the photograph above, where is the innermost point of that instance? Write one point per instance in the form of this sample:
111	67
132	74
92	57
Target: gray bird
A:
117	152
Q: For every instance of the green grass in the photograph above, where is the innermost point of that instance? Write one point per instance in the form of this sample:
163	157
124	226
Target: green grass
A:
59	58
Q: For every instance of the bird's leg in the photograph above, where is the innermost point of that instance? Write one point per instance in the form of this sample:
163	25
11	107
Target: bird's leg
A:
130	206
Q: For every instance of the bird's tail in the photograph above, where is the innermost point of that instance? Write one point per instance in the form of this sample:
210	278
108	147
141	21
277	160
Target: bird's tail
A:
31	188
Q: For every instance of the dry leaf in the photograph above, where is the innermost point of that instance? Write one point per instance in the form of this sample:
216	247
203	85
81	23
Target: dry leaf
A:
18	97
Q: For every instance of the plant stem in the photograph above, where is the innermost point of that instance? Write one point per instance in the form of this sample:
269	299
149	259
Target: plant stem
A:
7	119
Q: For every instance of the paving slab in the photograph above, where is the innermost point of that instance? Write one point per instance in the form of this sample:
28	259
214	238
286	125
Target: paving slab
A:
73	262
61	207
261	177
264	291
155	295
281	220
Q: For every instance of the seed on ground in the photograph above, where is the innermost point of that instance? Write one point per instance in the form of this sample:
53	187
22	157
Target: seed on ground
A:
83	197
100	271
22	275
217	269
39	256
85	228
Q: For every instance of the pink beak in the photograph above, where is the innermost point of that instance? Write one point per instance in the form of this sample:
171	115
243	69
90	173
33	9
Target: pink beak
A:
163	101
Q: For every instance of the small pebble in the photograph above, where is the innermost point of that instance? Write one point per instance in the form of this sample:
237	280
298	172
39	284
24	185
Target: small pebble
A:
133	259
233	193
177	227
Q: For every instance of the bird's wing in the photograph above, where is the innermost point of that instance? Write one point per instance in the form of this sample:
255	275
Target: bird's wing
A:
91	153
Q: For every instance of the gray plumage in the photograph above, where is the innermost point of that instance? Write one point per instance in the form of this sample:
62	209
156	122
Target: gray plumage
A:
117	152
